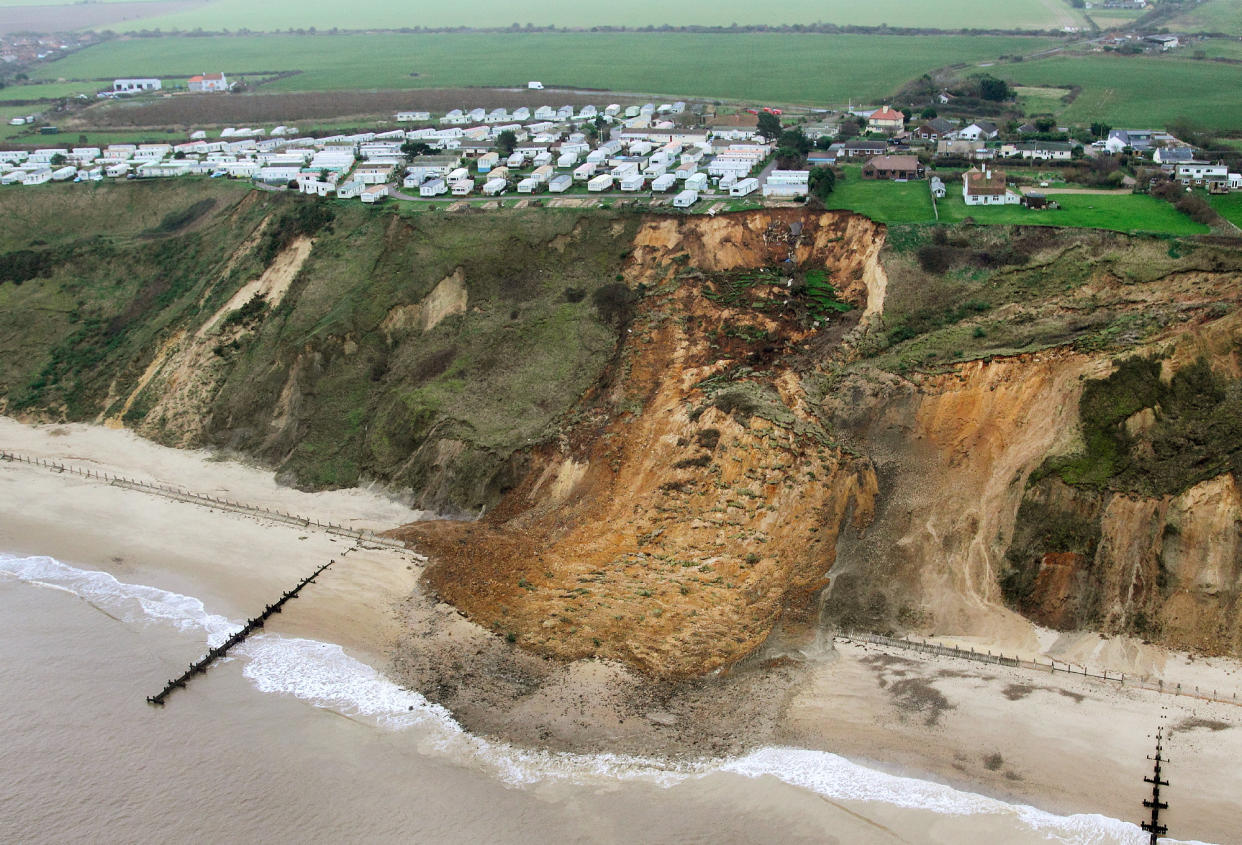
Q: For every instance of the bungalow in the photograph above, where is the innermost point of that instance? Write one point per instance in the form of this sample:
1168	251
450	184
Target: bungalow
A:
864	149
734	127
981	130
817	158
935	130
134	86
208	82
987	187
1038	150
1168	157
895	168
887	120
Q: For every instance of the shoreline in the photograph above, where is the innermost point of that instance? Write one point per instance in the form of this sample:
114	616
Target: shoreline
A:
1062	744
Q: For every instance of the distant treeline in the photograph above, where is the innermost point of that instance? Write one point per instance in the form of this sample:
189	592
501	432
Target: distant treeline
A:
817	28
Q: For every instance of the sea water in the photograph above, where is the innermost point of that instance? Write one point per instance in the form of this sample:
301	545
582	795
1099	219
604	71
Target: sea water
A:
291	739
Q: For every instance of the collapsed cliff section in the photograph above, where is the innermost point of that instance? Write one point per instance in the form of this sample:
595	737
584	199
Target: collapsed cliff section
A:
1051	420
691	502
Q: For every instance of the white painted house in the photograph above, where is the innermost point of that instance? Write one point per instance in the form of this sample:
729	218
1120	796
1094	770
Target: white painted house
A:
135	86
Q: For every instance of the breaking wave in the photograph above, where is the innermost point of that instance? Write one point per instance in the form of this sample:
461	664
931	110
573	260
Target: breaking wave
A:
324	675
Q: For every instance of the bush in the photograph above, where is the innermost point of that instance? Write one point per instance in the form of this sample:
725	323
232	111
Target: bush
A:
614	303
936	258
1197	209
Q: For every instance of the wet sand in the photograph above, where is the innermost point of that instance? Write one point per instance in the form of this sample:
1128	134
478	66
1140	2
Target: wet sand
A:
1062	744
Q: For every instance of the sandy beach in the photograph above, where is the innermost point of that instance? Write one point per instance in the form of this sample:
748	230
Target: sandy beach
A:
1059	743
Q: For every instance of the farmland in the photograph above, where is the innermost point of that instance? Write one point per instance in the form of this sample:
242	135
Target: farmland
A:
1211	16
393	14
1229	207
800	68
1139	90
884	202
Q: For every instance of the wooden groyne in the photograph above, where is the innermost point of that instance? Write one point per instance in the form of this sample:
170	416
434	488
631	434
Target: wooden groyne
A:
201	665
181	494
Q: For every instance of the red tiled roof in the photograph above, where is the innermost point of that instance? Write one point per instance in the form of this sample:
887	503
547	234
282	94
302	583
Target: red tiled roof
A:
978	183
887	113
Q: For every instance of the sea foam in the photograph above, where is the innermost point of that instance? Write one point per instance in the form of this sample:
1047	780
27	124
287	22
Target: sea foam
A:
325	676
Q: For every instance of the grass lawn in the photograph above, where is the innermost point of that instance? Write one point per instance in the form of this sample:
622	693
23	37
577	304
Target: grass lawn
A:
1138	91
884	202
1036	100
393	14
1228	206
1118	212
797	68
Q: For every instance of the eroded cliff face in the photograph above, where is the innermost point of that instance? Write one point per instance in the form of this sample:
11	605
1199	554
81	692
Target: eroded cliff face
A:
695	502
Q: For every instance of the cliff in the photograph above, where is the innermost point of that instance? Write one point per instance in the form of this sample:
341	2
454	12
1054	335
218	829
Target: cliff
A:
688	437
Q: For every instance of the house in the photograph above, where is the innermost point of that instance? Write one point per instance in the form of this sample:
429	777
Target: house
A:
134	86
685	199
935	130
1168	157
937	188
734	127
208	82
374	193
982	130
1139	140
819	158
1039	150
1163	42
895	168
887	120
864	149
987	187
1201	174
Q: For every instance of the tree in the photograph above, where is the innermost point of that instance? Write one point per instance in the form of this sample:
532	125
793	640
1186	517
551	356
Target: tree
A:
1045	124
928	113
823	142
57	160
410	149
848	129
1100	130
795	139
822	181
991	88
769	125
506	141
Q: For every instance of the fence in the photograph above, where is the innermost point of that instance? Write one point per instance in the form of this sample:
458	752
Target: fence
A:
180	494
1052	666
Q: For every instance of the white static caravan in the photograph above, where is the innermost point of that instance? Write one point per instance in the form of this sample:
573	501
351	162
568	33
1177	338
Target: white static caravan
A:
560	183
528	185
744	187
349	190
542	174
458	175
516	160
487	161
685	199
632	182
584	172
433	188
493	187
116	171
600	183
696	182
567	160
64	174
663	182
37	177
374	193
462	187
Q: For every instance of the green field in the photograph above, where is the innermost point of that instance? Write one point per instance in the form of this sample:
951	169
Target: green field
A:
884	202
393	14
1139	91
1118	212
800	68
910	202
1211	16
47	91
1229	206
